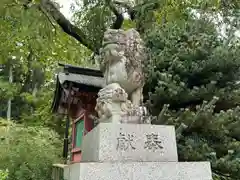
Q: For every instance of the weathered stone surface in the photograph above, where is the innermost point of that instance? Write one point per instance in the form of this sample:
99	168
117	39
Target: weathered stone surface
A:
112	103
110	142
121	58
121	61
139	171
113	106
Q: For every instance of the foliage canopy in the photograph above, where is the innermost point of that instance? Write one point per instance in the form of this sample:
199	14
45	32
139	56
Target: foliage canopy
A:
192	75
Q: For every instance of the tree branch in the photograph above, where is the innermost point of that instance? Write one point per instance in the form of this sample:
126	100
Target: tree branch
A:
48	18
133	10
130	10
66	25
119	16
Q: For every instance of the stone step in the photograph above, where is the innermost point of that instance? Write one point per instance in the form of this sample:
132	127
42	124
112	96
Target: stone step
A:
139	171
110	142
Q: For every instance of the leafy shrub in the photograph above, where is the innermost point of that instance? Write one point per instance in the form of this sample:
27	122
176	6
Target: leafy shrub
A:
28	152
3	174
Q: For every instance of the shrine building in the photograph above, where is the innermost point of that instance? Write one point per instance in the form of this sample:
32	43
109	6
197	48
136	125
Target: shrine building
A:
75	99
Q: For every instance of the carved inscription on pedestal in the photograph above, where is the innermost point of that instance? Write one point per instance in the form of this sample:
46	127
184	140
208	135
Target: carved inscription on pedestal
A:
153	142
125	141
131	143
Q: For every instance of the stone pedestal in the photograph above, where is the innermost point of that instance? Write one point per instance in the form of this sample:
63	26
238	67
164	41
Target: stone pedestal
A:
133	152
110	142
139	171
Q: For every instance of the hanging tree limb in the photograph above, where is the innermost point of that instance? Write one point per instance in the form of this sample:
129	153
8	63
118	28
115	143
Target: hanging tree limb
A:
66	25
48	18
138	13
119	16
133	10
50	8
130	10
73	30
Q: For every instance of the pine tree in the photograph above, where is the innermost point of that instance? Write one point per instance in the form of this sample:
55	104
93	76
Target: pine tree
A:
193	84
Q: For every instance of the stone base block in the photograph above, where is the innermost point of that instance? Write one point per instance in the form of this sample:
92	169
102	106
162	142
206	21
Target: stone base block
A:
110	142
139	171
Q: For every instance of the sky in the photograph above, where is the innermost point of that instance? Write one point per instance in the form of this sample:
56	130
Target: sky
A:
66	4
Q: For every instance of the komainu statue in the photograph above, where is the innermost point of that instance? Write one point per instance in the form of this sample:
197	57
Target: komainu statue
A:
121	60
112	103
113	106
